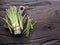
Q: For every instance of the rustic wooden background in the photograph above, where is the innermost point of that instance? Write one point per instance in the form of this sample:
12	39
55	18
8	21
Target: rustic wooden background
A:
45	12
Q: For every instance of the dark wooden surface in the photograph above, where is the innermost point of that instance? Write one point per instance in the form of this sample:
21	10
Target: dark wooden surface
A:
47	15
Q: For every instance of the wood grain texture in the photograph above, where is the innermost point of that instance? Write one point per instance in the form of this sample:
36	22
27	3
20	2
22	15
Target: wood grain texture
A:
47	15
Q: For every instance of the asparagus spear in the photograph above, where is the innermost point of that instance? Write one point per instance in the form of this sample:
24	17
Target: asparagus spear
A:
12	15
28	26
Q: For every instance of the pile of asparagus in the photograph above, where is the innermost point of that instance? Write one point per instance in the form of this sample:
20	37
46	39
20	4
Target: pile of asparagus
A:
15	21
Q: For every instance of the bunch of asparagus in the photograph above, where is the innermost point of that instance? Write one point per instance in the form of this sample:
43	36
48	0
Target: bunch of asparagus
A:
15	21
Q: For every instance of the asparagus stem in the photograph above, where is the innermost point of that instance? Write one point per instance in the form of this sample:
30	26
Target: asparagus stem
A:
15	21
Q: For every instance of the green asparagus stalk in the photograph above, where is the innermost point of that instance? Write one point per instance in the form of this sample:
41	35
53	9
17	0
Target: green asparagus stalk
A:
20	19
12	15
9	26
28	26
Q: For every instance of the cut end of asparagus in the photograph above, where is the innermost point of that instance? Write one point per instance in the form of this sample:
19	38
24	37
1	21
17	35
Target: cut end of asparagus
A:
16	32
